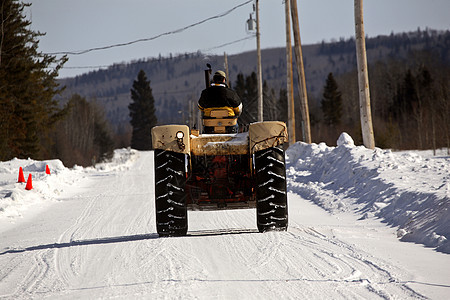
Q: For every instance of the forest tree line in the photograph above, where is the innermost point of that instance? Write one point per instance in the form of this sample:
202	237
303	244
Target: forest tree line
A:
409	101
178	79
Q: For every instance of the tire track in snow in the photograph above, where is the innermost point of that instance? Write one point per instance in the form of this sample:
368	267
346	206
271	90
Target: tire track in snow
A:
235	259
109	216
7	271
178	270
33	281
350	270
64	261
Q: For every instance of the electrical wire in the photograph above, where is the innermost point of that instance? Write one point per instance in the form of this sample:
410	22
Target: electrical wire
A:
230	43
80	52
202	50
86	67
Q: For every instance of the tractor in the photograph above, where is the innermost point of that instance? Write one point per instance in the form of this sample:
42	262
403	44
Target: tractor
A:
220	171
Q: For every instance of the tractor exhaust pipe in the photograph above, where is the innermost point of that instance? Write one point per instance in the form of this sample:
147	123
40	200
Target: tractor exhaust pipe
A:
207	74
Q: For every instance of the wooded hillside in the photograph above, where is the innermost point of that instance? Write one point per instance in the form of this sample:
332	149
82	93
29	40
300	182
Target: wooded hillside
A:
177	80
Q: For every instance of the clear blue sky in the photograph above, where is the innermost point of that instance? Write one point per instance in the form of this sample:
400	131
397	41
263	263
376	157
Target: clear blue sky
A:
72	25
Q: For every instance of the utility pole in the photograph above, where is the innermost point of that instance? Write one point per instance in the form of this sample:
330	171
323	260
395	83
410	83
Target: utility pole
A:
301	74
225	58
2	33
363	78
289	77
259	69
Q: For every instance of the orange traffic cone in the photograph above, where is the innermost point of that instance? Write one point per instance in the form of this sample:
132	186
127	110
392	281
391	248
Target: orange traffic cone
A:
21	178
29	183
47	170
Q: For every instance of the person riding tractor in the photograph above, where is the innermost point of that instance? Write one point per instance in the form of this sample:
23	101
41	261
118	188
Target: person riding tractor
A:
220	106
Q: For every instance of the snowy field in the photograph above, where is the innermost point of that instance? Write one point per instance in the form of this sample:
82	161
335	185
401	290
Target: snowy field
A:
363	224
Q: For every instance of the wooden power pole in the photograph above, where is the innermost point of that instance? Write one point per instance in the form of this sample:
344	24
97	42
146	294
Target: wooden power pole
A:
225	58
363	78
301	74
289	77
259	68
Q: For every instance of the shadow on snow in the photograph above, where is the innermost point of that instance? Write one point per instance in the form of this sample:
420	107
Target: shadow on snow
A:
124	239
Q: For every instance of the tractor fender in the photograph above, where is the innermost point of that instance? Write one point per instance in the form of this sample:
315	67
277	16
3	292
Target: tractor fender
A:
267	134
165	138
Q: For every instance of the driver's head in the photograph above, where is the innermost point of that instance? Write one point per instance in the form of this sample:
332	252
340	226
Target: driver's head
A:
219	77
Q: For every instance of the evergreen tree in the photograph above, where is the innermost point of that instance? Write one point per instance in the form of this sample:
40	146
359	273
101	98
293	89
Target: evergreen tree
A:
405	99
103	139
409	92
331	102
142	113
246	88
275	107
270	104
27	86
283	105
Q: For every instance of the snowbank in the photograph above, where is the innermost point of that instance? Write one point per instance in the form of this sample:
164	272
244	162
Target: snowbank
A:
404	189
15	200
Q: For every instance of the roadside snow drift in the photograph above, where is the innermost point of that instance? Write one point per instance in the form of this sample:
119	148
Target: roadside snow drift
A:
404	189
47	188
15	199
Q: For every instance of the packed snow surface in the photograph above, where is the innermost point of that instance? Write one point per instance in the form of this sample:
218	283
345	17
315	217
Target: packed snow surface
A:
89	233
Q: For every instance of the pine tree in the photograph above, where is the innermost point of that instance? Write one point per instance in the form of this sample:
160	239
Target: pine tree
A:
283	105
331	102
246	88
27	86
142	113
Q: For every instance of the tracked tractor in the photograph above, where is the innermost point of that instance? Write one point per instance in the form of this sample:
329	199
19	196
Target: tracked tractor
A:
219	171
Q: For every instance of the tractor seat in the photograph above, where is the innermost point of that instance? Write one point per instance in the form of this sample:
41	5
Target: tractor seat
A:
219	121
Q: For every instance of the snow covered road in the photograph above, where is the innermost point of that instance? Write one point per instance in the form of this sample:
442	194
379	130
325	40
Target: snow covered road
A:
99	241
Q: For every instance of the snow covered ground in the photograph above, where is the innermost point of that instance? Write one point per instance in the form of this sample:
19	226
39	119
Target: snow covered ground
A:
89	233
407	190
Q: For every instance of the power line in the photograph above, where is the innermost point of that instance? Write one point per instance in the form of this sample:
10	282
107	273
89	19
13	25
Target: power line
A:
86	67
80	52
201	50
230	43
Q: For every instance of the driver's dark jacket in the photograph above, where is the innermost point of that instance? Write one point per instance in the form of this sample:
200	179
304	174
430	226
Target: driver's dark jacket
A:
219	96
